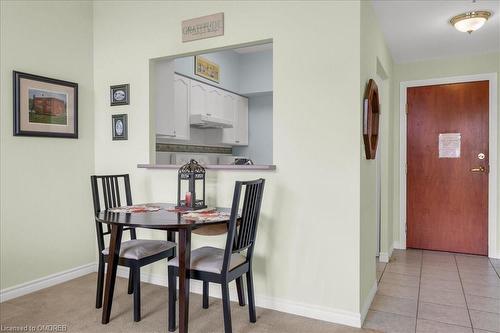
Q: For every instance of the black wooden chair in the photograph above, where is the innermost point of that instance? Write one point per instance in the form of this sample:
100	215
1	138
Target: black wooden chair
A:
222	266
134	253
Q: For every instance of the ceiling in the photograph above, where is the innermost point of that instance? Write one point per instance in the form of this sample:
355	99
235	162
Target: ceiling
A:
419	29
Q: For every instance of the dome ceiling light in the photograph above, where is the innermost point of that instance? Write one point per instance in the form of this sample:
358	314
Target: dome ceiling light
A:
471	21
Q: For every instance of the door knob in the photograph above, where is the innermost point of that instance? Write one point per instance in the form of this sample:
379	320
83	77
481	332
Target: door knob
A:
480	169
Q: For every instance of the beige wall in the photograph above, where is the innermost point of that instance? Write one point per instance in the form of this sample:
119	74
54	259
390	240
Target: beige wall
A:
46	215
308	243
376	63
488	63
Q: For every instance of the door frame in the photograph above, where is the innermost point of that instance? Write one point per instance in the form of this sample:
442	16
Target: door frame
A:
493	161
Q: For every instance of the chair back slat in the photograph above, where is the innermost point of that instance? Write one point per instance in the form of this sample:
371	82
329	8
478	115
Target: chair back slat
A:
110	195
243	233
252	209
118	201
243	230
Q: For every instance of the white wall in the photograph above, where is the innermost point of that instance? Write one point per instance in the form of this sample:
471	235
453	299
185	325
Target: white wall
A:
46	213
306	258
260	130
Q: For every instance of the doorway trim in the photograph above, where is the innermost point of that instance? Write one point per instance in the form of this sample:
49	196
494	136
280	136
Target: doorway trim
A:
493	137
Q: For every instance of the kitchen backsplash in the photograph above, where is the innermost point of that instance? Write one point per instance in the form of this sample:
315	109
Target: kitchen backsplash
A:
199	149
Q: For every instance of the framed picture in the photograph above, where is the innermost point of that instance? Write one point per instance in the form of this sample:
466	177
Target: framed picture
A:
206	69
119	94
120	127
45	106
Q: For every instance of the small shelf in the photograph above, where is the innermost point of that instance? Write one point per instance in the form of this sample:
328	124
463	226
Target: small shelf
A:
271	167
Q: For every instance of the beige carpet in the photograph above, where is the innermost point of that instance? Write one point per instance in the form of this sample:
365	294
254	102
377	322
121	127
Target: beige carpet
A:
72	304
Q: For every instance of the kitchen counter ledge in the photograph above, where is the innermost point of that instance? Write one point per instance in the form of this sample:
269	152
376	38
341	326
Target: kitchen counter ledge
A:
271	167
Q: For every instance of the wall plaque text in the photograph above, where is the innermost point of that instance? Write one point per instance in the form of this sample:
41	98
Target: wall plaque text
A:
203	27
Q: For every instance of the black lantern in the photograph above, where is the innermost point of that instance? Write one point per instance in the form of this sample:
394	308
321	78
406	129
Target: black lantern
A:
193	174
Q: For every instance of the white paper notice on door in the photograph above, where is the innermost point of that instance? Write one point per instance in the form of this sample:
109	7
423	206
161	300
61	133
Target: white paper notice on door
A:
449	145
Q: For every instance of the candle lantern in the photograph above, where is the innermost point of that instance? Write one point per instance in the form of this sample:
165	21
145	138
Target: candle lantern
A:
191	186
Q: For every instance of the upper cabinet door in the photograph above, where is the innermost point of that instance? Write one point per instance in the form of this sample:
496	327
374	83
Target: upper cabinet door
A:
164	99
199	98
215	102
241	128
182	87
238	134
230	106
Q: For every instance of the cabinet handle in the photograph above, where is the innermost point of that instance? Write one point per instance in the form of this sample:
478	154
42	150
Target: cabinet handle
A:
209	114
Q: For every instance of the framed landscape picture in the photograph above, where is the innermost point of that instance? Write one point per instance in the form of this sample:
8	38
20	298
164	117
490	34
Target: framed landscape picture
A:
45	106
206	69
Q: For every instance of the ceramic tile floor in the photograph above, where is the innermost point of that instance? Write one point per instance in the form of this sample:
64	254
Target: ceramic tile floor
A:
427	291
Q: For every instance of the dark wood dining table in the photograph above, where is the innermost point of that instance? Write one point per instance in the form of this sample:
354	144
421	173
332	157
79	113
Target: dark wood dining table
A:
163	219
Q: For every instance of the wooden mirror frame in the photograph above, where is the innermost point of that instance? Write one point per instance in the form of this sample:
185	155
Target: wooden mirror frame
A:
371	115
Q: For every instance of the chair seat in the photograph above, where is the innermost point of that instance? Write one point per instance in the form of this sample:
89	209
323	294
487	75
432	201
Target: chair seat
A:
141	248
210	259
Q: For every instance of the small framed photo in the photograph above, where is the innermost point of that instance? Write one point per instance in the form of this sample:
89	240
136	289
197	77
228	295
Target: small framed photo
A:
119	94
206	69
45	106
120	127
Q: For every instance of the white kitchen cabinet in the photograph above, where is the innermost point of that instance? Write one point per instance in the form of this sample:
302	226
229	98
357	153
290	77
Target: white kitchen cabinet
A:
199	98
163	101
238	135
241	137
211	101
172	104
215	102
229	106
182	87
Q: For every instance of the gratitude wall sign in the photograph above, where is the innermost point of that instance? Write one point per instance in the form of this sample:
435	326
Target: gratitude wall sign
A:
203	27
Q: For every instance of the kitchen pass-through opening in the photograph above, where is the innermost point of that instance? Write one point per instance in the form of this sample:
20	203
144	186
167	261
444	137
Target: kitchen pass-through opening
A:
214	107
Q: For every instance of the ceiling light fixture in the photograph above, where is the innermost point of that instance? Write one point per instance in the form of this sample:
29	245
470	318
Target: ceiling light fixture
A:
471	21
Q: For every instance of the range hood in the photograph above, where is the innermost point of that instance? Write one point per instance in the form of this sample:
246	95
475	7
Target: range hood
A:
206	121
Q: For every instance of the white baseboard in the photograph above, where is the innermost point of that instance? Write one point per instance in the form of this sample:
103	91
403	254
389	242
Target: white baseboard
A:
297	308
495	255
45	282
397	245
368	302
383	257
386	256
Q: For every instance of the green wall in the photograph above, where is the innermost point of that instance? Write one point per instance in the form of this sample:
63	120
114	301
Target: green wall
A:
316	242
46	213
307	251
376	63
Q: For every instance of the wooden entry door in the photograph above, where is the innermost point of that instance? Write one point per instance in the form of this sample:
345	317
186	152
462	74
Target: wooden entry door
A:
447	198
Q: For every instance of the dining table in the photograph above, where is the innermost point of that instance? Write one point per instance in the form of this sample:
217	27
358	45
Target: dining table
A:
168	219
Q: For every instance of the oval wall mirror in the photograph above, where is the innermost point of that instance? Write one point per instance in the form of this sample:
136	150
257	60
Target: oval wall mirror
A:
371	115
